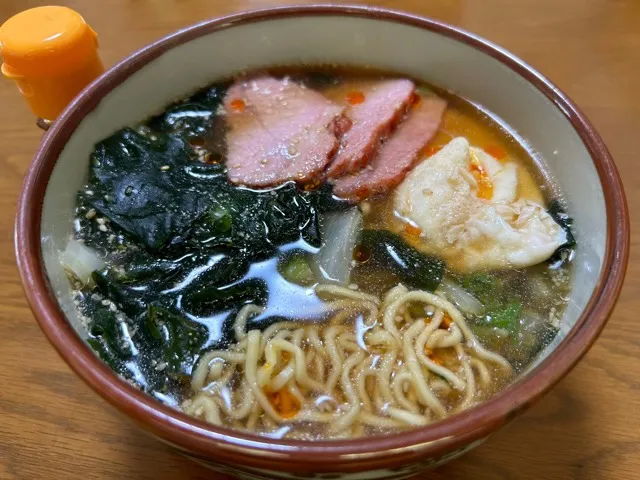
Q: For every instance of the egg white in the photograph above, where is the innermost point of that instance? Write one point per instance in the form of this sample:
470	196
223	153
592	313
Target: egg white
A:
440	196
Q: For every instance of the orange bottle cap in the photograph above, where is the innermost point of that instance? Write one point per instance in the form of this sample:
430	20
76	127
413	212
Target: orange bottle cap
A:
52	54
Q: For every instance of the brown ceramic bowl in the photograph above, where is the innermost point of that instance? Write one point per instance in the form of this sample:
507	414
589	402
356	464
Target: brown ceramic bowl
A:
568	146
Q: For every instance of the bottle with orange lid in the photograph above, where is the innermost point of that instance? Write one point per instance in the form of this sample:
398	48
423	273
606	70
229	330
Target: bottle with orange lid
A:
52	54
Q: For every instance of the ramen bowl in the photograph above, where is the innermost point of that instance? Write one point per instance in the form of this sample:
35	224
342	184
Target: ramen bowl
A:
141	85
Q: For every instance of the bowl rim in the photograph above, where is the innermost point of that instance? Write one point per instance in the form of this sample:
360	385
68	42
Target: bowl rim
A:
206	441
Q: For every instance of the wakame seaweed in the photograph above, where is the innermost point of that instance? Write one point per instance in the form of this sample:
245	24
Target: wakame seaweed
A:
208	300
181	238
559	214
413	267
141	184
193	118
197	120
157	352
180	340
259	221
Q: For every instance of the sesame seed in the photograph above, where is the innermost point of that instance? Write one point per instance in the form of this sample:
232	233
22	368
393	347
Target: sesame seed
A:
90	214
102	228
164	168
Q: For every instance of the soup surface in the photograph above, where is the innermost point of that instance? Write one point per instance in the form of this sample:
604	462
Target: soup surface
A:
318	254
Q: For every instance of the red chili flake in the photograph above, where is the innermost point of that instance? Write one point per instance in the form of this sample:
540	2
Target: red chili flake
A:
432	150
238	105
355	98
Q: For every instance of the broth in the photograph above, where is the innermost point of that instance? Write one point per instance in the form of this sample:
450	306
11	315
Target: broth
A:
288	311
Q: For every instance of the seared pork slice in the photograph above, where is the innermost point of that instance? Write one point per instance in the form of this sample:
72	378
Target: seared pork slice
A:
279	131
376	108
397	155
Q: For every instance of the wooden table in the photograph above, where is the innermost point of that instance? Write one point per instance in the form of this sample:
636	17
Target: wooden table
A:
52	426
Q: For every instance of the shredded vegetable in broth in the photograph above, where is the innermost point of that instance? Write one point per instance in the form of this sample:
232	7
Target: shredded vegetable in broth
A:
319	253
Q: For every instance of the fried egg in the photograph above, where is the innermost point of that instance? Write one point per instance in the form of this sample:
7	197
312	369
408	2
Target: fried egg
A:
466	204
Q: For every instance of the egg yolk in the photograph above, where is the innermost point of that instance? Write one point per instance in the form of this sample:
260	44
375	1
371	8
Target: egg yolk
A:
485	185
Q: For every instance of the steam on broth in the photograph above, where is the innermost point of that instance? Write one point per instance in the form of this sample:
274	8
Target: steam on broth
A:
319	254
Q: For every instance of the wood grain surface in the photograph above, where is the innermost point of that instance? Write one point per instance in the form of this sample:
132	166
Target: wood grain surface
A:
53	427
